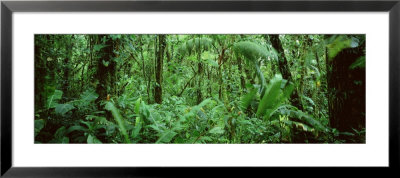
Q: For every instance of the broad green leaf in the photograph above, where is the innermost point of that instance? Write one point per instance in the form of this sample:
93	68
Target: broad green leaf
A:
53	98
39	124
272	92
339	43
89	96
261	77
248	98
60	132
359	63
304	118
88	124
92	139
114	111
64	140
136	130
76	128
156	128
204	102
206	139
250	51
166	137
287	91
98	47
62	109
217	130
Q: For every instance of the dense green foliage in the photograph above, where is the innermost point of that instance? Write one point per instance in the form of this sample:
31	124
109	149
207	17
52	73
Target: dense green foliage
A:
199	88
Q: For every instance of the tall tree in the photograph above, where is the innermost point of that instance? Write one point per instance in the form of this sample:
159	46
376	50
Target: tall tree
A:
284	69
68	45
159	68
198	47
346	86
40	72
105	67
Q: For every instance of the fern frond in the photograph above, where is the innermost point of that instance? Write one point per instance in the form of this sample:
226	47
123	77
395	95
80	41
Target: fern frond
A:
195	45
250	51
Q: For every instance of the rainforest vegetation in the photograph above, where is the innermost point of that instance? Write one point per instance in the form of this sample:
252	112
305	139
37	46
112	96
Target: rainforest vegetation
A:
197	88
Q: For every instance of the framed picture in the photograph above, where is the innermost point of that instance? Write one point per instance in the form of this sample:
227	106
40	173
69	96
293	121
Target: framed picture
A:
113	88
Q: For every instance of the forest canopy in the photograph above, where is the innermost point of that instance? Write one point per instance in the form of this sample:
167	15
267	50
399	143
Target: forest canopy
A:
198	88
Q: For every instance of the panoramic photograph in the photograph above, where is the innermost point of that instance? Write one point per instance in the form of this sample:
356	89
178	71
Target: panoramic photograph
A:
199	88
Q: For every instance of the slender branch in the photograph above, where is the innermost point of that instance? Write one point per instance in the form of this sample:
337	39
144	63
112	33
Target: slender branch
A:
187	83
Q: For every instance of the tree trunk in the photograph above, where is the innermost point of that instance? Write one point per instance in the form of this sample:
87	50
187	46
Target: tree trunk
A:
90	38
200	78
40	73
242	81
284	69
209	75
221	61
168	54
200	71
303	55
346	90
67	67
149	73
105	70
159	69
317	59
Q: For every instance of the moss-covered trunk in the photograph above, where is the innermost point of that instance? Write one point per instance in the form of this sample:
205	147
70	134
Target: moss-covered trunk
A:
284	69
105	69
346	90
159	69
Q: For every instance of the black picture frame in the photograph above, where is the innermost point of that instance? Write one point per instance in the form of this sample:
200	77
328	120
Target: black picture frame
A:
8	7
